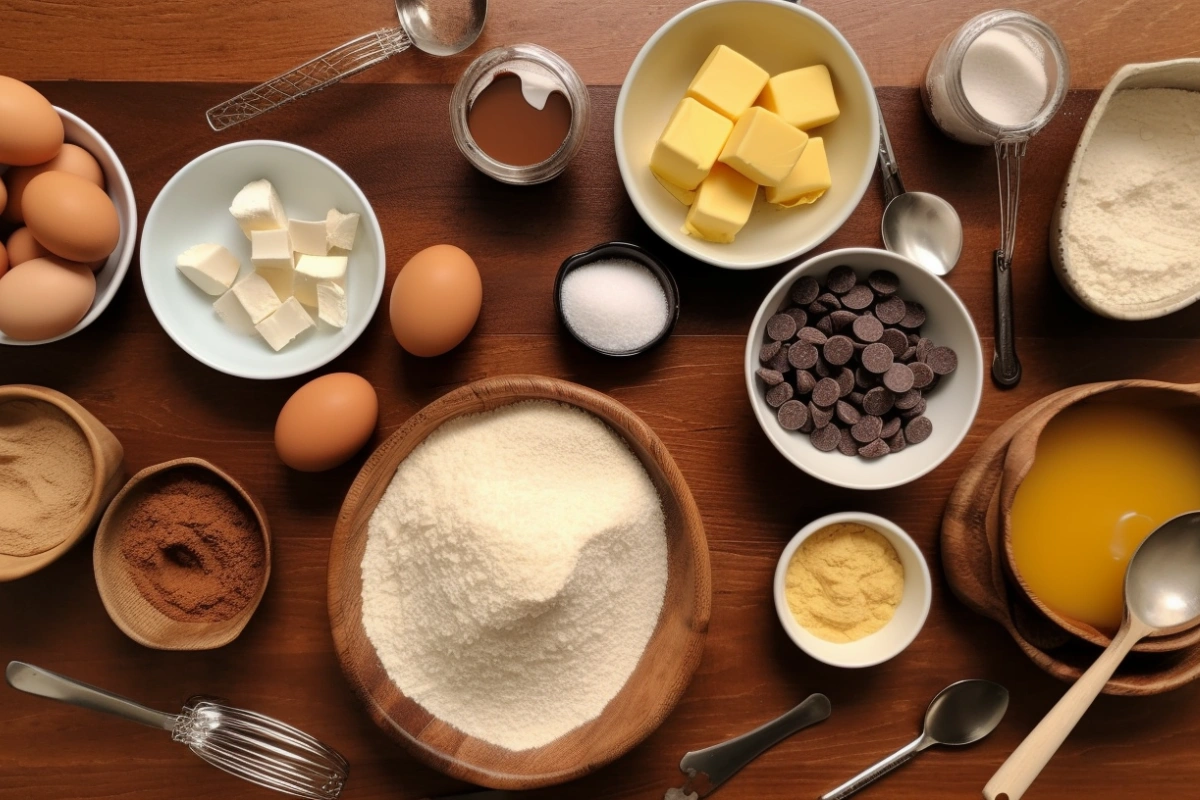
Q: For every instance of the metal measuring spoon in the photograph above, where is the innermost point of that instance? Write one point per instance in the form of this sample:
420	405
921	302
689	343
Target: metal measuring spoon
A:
918	225
962	713
437	27
1162	595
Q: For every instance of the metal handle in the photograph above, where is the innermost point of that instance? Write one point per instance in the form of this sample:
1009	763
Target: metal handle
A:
709	768
874	773
889	171
312	76
44	683
1006	368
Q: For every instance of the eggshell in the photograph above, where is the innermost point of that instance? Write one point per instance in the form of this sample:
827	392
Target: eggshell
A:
435	300
45	297
71	217
30	129
326	422
23	247
71	158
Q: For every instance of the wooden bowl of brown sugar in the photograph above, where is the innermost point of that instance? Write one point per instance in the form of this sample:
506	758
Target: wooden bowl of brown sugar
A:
182	556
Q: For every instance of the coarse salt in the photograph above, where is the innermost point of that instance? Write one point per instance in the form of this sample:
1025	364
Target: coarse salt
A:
614	305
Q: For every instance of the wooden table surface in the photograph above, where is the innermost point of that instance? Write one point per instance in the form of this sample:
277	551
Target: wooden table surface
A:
142	72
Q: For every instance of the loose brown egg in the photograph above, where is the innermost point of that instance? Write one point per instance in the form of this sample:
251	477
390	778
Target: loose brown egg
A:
44	297
30	129
435	300
326	421
23	247
71	158
71	216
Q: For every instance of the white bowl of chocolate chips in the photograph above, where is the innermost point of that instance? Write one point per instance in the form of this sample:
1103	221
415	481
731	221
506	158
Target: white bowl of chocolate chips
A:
863	369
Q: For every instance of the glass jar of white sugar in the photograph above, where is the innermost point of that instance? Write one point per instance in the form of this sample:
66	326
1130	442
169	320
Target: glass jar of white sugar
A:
1001	76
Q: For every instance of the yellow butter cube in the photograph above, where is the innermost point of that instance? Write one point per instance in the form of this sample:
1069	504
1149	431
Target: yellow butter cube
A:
728	82
722	206
807	182
689	144
763	147
802	97
685	196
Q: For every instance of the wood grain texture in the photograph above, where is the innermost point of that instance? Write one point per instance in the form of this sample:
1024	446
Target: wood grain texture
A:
395	142
661	675
232	40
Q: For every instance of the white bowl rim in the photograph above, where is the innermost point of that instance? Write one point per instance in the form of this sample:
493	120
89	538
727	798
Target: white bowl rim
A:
128	203
750	357
884	526
655	225
355	330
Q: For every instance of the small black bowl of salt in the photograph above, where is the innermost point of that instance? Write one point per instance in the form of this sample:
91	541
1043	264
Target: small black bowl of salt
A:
616	299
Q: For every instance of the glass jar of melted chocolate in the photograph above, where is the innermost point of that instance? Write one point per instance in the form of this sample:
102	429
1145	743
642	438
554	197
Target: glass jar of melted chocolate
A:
520	114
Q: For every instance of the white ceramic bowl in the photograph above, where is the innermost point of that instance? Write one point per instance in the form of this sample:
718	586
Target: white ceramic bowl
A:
952	405
194	208
109	277
892	638
779	36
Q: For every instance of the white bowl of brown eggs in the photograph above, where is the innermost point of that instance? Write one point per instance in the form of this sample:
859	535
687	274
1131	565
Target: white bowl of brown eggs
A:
69	219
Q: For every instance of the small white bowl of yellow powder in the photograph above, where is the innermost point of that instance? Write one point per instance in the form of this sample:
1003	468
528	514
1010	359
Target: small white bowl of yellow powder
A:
852	589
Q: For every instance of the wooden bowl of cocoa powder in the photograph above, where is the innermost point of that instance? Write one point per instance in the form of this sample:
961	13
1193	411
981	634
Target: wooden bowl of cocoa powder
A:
182	556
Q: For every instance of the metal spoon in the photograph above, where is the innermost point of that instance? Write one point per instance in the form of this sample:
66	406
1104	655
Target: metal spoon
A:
1162	595
962	713
437	27
918	225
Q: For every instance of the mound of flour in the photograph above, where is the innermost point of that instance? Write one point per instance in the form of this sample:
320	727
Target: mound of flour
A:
514	572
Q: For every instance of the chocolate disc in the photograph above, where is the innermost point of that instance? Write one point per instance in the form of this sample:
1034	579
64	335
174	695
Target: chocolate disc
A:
792	415
805	290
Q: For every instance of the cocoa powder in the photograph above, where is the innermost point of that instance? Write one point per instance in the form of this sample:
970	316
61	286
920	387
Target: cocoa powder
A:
194	548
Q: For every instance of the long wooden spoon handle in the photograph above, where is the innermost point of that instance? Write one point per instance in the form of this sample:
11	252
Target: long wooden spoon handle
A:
1016	774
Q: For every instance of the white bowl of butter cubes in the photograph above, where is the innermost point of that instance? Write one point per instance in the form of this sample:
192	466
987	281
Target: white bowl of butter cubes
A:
262	259
746	131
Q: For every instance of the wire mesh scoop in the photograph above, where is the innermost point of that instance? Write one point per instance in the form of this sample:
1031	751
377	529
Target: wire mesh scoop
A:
437	27
257	748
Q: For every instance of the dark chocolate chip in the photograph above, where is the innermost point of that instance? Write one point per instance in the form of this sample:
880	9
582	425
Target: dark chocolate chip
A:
914	412
781	327
804	381
855	399
779	362
779	394
898	378
891	310
875	449
867	429
897	443
910	355
878	401
816	308
769	376
858	298
805	290
838	350
829	300
841	318
922	375
841	279
883	282
802	355
825	438
808	425
823	369
824	325
896	340
923	347
908	400
942	360
890	428
847	446
864	380
810	335
914	317
877	358
845	379
792	415
768	351
820	416
868	329
917	430
913	338
847	413
826	392
798	314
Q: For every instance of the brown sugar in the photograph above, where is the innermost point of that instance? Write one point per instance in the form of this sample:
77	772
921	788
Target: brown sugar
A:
194	548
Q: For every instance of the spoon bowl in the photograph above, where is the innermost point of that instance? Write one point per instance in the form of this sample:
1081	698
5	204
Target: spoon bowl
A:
965	712
925	228
447	30
1162	583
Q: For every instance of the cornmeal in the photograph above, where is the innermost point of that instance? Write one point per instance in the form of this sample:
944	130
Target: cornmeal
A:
844	582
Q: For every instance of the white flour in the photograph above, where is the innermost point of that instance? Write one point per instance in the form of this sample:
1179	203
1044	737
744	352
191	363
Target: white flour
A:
1134	229
514	572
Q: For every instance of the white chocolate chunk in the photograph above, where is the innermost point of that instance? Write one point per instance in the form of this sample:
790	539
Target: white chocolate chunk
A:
271	249
289	321
340	229
280	280
256	296
311	270
309	237
331	304
231	312
257	207
209	266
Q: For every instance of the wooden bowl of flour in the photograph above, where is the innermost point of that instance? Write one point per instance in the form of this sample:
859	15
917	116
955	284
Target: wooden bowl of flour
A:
106	470
661	674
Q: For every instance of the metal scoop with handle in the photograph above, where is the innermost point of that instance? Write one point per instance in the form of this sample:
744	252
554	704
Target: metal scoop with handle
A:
257	748
437	27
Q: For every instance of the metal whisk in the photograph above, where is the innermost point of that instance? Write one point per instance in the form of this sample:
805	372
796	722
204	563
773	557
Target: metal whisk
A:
1006	369
251	746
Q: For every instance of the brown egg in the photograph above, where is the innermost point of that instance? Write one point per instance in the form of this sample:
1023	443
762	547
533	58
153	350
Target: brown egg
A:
4	262
23	247
30	129
326	421
435	300
72	158
71	216
44	297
